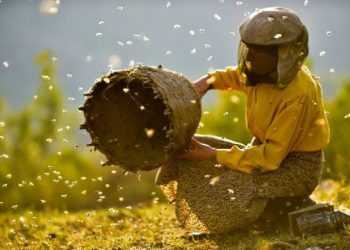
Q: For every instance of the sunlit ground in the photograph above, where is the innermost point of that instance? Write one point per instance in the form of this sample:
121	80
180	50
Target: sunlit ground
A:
152	226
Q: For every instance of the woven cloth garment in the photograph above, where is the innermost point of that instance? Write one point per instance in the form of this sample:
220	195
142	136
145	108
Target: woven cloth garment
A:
214	199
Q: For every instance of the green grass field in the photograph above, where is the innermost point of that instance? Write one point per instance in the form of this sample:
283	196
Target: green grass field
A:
150	226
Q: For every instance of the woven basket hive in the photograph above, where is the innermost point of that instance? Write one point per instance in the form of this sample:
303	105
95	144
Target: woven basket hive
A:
140	117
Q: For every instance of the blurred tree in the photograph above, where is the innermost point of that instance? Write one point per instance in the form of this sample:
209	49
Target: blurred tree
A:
226	118
41	164
337	152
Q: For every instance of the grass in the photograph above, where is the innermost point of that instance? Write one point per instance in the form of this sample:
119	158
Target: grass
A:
148	226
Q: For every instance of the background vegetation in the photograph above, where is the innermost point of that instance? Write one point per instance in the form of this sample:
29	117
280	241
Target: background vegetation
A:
44	161
45	165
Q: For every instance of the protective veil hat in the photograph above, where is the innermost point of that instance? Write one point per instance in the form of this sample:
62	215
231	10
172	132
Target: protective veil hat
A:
276	26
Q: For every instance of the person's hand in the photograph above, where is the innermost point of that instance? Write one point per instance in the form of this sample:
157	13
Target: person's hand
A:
203	85
199	151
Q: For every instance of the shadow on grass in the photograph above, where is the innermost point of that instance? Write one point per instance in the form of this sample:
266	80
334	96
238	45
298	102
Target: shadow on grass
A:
270	238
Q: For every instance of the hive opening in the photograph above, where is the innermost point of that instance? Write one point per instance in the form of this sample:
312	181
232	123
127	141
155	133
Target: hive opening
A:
141	117
139	126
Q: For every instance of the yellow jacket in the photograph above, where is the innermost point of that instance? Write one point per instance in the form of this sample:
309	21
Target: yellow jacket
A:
284	120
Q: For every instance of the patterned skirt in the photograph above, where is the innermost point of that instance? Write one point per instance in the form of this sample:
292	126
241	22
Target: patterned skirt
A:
210	198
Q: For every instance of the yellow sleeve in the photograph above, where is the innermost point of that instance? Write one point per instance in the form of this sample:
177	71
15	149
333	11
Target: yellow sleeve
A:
228	79
286	131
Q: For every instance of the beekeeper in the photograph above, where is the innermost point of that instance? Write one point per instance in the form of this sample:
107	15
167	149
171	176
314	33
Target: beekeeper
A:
284	111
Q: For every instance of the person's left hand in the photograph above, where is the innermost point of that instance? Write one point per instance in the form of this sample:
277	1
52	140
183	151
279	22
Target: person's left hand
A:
199	151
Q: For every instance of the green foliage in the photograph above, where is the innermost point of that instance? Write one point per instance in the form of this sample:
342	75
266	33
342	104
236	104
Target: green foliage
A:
42	164
333	192
337	152
226	118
